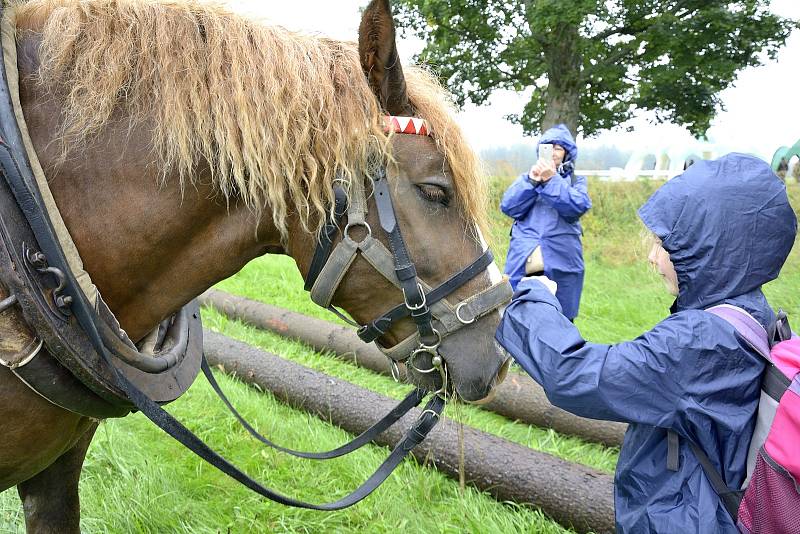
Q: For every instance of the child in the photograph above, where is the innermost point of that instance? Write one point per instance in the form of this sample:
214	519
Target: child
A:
726	228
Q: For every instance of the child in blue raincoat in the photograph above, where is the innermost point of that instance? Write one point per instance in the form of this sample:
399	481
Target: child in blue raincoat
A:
546	205
724	229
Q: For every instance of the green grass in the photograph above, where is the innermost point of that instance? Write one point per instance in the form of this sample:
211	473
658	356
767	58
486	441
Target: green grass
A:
136	479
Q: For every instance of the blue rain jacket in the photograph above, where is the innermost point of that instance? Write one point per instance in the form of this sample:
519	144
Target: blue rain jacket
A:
728	227
548	215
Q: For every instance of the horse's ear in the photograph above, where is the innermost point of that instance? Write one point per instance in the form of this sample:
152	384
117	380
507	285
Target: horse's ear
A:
377	51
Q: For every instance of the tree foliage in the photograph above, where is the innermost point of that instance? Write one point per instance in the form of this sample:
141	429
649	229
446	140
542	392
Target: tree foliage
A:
594	63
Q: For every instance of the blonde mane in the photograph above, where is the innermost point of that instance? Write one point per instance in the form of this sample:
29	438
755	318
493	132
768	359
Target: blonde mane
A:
275	113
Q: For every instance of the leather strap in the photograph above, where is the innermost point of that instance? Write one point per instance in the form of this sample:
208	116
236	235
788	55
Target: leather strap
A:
334	272
375	329
323	250
405	270
412	399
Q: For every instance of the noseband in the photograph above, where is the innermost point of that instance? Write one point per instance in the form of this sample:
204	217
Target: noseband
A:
433	316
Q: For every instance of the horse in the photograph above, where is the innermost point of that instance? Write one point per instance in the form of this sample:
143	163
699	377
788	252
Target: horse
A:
181	140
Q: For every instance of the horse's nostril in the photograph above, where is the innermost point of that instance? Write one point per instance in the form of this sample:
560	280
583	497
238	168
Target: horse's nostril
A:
501	375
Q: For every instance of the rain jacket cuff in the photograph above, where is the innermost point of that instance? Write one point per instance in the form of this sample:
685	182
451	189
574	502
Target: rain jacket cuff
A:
531	290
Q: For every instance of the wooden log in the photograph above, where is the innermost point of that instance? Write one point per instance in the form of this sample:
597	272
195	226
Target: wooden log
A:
518	397
574	495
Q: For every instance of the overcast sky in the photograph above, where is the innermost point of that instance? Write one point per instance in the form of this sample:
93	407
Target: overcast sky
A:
762	109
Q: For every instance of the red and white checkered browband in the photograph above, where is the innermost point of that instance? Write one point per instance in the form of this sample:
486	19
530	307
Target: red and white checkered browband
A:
407	125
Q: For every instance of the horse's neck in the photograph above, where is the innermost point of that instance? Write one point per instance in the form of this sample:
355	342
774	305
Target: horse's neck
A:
148	246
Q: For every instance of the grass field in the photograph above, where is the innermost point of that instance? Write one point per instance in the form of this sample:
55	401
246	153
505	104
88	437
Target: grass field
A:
136	479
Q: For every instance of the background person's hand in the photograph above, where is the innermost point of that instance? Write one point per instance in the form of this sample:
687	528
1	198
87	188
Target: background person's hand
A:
542	171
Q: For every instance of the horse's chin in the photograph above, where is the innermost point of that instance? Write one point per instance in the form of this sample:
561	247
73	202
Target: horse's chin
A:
498	380
487	399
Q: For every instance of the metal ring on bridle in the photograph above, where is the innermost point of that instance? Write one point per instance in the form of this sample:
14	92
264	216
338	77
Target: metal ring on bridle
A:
365	224
429	348
437	364
395	370
433	368
458	313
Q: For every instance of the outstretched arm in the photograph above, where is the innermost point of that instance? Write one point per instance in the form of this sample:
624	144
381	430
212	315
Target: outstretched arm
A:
651	380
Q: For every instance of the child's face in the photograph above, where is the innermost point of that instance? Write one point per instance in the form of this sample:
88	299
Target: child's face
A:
659	259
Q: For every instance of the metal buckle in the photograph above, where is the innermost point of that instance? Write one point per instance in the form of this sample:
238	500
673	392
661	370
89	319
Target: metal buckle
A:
395	370
436	415
424	299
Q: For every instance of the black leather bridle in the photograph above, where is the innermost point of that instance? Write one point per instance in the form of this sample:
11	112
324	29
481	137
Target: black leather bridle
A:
422	304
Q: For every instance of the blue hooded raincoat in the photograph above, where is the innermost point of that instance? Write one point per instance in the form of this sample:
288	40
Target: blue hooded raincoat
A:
547	216
728	227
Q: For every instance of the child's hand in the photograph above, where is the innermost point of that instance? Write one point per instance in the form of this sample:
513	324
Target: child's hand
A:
542	171
551	286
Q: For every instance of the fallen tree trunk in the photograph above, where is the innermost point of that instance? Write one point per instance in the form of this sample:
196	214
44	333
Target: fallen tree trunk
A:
518	397
574	495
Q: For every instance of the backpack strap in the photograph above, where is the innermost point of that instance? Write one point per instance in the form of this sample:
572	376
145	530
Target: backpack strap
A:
745	324
774	382
730	498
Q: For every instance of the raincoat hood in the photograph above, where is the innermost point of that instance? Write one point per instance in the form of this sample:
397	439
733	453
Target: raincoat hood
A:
727	225
559	135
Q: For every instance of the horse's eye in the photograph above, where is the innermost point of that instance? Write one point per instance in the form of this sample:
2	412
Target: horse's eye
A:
434	193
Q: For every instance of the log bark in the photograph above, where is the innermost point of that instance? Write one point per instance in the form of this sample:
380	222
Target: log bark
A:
518	397
575	496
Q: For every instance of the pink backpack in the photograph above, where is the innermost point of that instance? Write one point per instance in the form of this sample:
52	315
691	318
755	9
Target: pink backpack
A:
770	503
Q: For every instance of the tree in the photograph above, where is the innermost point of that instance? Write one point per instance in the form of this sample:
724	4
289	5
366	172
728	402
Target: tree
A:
594	63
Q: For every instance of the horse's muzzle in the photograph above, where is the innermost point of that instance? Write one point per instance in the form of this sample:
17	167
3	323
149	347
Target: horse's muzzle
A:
471	375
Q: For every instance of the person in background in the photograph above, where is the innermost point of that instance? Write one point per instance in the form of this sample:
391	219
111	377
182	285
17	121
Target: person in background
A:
546	205
720	230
